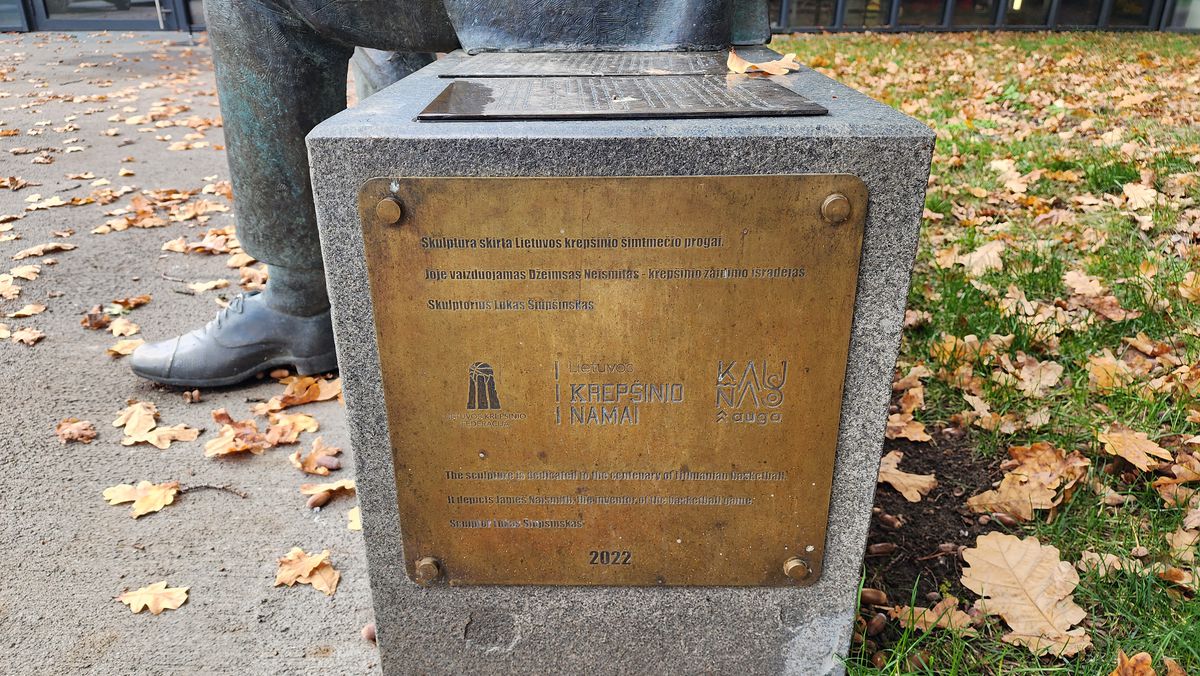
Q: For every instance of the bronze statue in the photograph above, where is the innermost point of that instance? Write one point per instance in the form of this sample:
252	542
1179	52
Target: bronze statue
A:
281	69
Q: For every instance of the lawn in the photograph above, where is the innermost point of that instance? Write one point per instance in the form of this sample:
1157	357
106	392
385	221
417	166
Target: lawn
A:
1056	299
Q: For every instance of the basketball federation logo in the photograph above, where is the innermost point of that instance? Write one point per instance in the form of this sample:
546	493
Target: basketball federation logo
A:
482	388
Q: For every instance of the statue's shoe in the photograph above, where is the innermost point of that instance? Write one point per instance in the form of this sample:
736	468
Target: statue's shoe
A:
245	339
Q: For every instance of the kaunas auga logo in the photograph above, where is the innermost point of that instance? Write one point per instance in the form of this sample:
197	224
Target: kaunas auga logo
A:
481	391
750	392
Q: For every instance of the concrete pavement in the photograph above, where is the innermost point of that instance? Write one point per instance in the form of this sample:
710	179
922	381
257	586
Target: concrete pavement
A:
66	554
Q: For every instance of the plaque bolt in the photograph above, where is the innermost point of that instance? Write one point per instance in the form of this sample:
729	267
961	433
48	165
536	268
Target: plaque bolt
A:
428	570
796	568
836	208
389	210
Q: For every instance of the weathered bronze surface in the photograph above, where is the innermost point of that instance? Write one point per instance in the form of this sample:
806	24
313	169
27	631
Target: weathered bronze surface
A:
576	98
614	381
559	64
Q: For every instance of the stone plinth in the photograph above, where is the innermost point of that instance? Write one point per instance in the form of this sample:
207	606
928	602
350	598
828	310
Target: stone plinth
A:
573	629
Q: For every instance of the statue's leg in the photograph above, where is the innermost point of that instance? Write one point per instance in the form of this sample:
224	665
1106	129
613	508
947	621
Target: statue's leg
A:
375	69
277	78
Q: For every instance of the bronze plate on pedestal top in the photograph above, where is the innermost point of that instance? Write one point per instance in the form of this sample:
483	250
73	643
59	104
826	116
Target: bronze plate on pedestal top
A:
614	381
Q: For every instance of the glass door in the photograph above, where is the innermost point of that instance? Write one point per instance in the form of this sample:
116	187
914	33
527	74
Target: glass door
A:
107	14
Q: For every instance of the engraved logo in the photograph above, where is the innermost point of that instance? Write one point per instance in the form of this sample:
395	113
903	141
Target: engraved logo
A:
750	392
482	388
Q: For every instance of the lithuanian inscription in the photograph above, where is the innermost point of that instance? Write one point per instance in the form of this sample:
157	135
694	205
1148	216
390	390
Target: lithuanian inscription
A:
630	387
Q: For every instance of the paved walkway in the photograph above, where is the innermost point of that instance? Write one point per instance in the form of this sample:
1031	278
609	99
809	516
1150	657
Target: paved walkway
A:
65	553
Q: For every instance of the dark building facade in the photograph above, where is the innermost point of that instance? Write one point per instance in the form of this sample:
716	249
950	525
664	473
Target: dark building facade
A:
786	15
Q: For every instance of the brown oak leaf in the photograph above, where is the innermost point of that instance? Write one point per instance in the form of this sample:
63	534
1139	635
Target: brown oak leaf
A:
1027	584
912	486
1135	447
318	461
74	429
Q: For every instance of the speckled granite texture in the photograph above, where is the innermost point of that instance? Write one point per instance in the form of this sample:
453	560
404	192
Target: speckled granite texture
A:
624	630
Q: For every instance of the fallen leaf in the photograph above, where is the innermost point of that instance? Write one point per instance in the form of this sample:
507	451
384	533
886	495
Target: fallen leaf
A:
161	437
1189	288
146	497
42	250
1183	544
1106	373
123	327
318	460
1028	585
95	319
27	311
1139	196
296	564
286	428
912	486
902	426
1037	377
27	336
201	287
1039	476
26	272
354	519
780	66
1135	447
74	429
124	348
1104	564
157	598
323	578
1082	284
300	390
1140	664
138	417
235	436
132	302
945	615
330	487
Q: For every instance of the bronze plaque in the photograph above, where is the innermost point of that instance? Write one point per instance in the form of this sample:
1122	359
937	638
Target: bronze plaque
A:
618	97
614	381
559	64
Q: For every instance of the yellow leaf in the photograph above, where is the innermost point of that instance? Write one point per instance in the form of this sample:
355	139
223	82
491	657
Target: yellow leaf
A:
912	486
1183	544
354	519
161	437
138	417
123	327
1135	447
945	615
201	287
297	564
124	348
146	497
1027	584
157	598
323	578
780	66
27	311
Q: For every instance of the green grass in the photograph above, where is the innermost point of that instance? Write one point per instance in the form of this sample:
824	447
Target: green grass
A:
1055	103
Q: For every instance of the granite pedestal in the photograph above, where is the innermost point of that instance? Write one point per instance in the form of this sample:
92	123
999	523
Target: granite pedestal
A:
599	630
